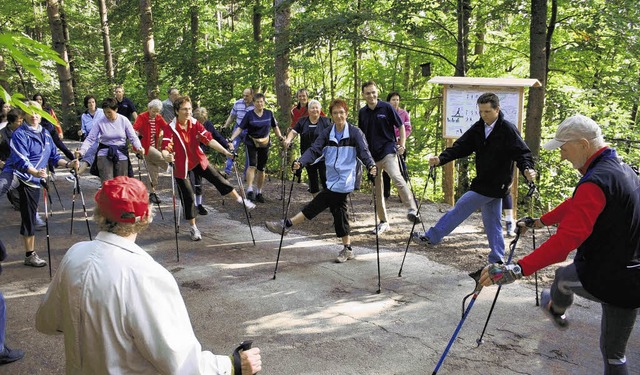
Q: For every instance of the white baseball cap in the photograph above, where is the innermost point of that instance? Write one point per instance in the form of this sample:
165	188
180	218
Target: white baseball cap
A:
574	128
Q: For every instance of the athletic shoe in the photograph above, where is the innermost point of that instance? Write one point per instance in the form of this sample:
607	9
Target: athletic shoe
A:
414	217
34	260
511	229
251	196
382	227
10	355
39	222
250	205
71	179
195	234
260	198
421	239
153	198
345	255
559	320
202	210
277	226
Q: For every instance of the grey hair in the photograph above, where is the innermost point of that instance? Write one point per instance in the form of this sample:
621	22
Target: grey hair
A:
155	104
312	102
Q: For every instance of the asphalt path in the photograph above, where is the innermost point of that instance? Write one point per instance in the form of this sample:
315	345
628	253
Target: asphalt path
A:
316	316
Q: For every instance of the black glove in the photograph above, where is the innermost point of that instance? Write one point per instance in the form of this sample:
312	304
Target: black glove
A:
139	156
371	177
528	222
299	169
237	362
44	183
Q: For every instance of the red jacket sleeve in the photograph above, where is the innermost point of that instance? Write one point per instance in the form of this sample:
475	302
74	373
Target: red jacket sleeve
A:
577	217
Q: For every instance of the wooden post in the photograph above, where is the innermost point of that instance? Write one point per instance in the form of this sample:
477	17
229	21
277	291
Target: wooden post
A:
448	179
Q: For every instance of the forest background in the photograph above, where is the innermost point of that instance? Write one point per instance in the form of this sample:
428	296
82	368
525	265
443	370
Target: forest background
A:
584	52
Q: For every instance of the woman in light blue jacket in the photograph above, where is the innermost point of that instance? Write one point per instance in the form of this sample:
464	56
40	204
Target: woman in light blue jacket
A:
340	146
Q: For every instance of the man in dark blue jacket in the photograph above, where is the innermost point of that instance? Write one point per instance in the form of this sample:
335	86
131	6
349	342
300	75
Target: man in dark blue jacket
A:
497	144
339	145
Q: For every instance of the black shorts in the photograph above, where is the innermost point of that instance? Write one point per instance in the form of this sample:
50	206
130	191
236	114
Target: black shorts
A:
257	156
337	203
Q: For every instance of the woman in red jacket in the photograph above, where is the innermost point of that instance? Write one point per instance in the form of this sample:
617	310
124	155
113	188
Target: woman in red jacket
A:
151	127
181	146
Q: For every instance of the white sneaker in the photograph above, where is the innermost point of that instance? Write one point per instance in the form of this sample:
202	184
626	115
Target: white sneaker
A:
195	234
250	205
39	222
382	227
34	260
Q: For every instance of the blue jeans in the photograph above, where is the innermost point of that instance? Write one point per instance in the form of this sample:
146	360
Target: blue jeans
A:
465	206
3	320
236	143
616	323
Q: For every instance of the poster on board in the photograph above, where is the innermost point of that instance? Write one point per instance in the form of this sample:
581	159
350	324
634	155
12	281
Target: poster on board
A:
461	110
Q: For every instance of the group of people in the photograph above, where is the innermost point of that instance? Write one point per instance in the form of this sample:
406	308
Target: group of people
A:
601	219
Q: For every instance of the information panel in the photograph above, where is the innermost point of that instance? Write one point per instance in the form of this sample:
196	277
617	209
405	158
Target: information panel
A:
461	110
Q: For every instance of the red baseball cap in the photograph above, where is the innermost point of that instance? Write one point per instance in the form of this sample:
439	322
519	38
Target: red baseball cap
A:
123	199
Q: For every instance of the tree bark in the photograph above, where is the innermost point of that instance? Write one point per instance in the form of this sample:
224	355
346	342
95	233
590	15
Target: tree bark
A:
463	16
538	69
148	44
195	30
106	41
257	20
282	21
64	72
65	30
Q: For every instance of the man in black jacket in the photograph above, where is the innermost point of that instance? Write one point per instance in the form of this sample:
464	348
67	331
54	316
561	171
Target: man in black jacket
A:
497	144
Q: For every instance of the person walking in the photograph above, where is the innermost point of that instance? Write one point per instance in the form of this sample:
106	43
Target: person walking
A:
181	146
120	311
257	123
239	110
125	105
394	99
602	221
378	121
497	144
167	105
340	145
309	128
151	127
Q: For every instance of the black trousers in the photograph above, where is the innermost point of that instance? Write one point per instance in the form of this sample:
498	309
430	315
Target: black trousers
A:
186	191
337	203
29	199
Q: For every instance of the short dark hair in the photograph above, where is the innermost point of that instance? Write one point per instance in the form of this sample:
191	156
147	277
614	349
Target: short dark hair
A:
40	95
86	100
14	114
338	103
489	97
179	102
392	94
259	96
171	89
369	83
110	103
301	91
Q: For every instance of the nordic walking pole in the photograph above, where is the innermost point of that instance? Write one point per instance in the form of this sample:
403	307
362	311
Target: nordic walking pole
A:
84	206
73	200
284	218
176	224
375	222
146	167
244	202
405	173
45	194
530	195
474	295
512	248
424	191
55	188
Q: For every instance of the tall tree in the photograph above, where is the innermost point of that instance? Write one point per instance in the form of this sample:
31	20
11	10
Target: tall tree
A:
150	64
539	47
106	41
463	16
281	32
64	73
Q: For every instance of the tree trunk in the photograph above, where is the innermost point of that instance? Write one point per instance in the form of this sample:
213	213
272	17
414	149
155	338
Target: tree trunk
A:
282	21
64	72
257	20
195	30
463	16
106	40
150	64
65	30
332	81
537	69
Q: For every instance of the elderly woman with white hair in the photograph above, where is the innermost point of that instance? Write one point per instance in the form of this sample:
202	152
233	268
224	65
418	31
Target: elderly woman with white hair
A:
310	127
150	127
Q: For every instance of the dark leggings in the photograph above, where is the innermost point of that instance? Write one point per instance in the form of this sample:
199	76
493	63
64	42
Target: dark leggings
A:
317	174
186	191
337	203
29	199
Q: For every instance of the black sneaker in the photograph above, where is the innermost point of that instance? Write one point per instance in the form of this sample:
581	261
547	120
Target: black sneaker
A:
559	320
153	198
251	196
10	355
260	198
202	210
